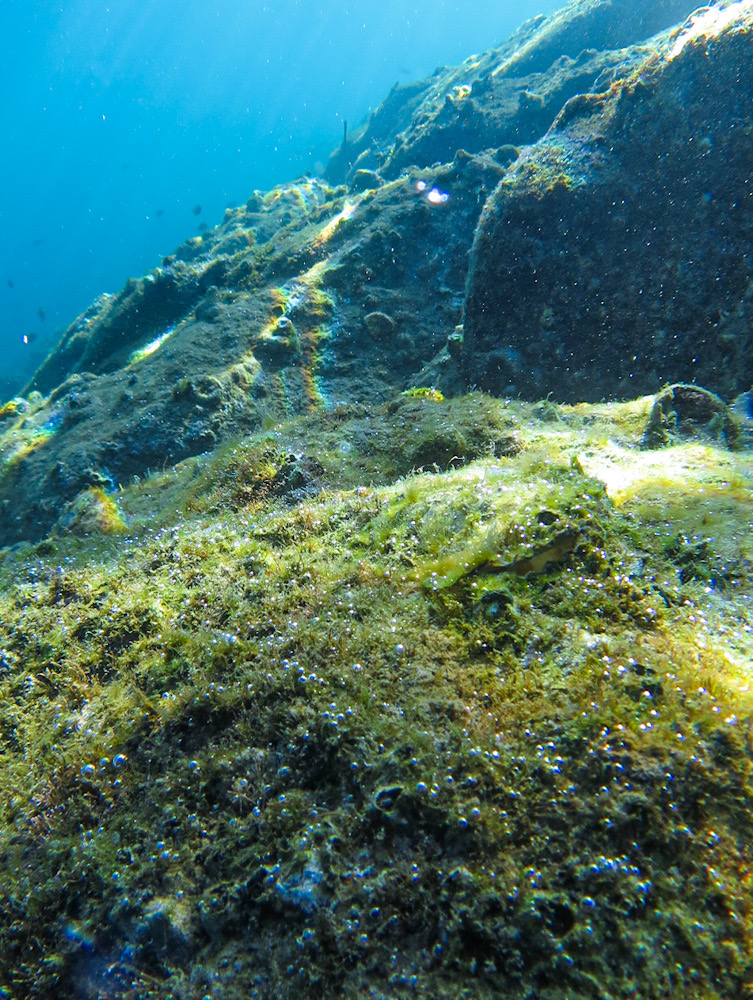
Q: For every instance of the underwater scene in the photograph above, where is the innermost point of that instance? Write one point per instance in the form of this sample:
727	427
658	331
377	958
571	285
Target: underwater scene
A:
376	572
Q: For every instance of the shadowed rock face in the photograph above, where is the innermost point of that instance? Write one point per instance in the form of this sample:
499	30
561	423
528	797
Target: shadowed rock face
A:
615	254
508	95
266	315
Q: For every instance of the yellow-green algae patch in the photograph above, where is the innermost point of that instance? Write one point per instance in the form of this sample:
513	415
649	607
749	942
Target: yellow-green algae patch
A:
23	429
92	511
329	722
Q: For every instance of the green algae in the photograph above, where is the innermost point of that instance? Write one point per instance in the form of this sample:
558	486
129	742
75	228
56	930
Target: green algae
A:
93	511
424	392
251	749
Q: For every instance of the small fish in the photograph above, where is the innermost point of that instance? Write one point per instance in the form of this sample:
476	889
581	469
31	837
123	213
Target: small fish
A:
159	212
540	559
42	314
197	210
10	283
28	338
203	227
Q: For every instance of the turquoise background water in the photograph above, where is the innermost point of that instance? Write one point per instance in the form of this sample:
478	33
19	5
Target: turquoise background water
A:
120	117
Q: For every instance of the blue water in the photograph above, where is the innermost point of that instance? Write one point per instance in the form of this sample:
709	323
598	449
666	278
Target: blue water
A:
121	118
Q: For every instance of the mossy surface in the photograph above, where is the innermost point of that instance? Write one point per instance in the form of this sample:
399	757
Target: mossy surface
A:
329	721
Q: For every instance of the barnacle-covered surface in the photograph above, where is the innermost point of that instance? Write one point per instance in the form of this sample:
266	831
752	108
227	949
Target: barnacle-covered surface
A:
316	724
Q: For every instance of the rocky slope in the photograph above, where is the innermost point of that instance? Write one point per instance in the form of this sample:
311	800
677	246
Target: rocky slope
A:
314	294
317	681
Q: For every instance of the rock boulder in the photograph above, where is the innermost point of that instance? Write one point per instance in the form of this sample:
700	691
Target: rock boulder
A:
615	254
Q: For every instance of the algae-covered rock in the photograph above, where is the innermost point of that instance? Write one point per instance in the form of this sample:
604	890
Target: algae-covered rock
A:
322	678
480	731
93	511
613	256
683	410
506	97
316	293
282	333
